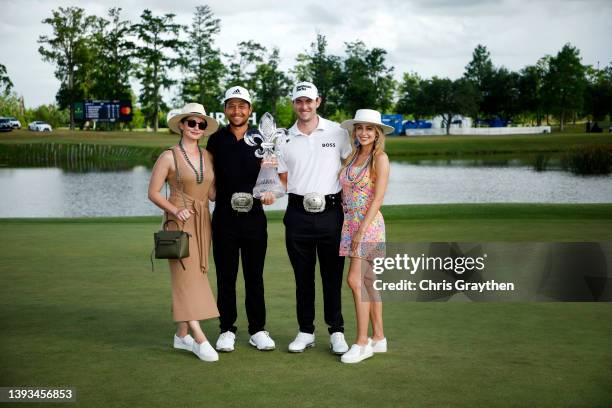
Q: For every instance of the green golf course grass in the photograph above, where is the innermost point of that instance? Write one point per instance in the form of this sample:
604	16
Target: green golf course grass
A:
398	147
81	308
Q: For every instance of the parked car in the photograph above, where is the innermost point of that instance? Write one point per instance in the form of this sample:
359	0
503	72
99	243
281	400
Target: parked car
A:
15	123
39	126
5	125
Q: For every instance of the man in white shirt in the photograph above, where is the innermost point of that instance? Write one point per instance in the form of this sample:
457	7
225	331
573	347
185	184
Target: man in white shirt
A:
308	165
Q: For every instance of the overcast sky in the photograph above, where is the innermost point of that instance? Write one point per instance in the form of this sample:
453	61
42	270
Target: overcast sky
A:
433	37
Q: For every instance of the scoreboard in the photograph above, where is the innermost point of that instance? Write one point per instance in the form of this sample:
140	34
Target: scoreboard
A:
103	111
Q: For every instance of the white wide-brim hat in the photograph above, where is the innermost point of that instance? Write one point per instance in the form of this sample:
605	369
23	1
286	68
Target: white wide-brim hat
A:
193	109
367	116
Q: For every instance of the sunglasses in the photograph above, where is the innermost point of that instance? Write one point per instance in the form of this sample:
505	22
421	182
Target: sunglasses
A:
192	123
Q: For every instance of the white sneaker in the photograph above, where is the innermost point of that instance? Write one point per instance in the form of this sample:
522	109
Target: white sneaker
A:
205	351
357	353
225	342
301	342
379	346
337	344
183	343
262	341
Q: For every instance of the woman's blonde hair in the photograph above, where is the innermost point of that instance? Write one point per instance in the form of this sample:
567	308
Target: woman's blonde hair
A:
379	146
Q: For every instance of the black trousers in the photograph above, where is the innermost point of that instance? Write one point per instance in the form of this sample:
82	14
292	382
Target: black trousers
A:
245	235
308	235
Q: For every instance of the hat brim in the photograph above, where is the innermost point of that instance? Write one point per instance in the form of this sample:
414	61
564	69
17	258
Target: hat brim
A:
212	125
236	97
348	125
309	96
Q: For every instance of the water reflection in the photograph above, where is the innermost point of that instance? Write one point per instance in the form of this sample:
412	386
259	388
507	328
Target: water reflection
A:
537	163
52	192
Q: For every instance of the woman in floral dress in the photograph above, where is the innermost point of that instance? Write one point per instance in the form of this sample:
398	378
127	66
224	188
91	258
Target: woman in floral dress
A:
364	177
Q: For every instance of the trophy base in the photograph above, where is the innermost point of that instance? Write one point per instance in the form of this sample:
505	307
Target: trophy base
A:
268	182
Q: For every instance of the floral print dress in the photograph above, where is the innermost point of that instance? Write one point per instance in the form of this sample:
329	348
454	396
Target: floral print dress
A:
357	195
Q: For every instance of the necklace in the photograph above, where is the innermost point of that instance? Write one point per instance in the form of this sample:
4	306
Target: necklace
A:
360	169
199	177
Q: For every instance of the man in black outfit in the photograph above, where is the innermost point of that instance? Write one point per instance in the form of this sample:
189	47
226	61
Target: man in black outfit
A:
239	225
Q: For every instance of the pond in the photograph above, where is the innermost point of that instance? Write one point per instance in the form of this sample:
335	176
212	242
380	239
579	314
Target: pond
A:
53	192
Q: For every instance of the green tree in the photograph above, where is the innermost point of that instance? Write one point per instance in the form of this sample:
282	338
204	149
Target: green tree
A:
5	82
67	49
598	93
502	94
410	95
442	96
270	83
564	83
112	54
159	37
201	62
479	71
530	82
48	113
324	71
285	116
366	81
243	63
10	105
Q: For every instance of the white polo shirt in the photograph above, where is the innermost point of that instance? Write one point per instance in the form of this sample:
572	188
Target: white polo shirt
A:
313	161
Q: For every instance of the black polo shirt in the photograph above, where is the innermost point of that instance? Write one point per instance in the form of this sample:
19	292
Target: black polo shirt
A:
236	167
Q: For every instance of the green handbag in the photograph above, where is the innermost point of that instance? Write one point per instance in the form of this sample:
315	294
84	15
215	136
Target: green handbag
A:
172	244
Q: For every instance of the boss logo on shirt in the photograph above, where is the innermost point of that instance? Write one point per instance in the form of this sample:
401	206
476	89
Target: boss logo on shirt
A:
328	145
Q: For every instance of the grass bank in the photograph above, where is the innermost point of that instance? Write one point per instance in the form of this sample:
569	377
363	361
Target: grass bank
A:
398	147
80	307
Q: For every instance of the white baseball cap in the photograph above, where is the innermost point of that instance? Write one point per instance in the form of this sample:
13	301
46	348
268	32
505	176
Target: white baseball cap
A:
237	92
306	89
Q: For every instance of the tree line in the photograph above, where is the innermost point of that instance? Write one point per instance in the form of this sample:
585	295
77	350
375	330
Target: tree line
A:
559	86
95	57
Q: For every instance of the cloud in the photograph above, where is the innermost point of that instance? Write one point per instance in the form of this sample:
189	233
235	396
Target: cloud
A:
318	16
433	37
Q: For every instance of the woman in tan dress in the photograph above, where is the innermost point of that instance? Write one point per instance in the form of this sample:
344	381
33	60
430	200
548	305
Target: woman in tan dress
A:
190	189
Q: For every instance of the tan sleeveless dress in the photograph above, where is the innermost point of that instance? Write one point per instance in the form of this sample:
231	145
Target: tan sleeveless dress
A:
192	297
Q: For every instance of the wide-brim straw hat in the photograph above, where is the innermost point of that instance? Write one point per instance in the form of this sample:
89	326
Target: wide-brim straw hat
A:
367	116
193	109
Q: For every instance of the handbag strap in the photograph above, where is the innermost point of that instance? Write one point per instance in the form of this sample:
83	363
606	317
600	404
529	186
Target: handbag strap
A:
178	176
169	221
180	182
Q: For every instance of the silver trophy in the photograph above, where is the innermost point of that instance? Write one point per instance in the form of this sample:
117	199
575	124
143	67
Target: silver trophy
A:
271	138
